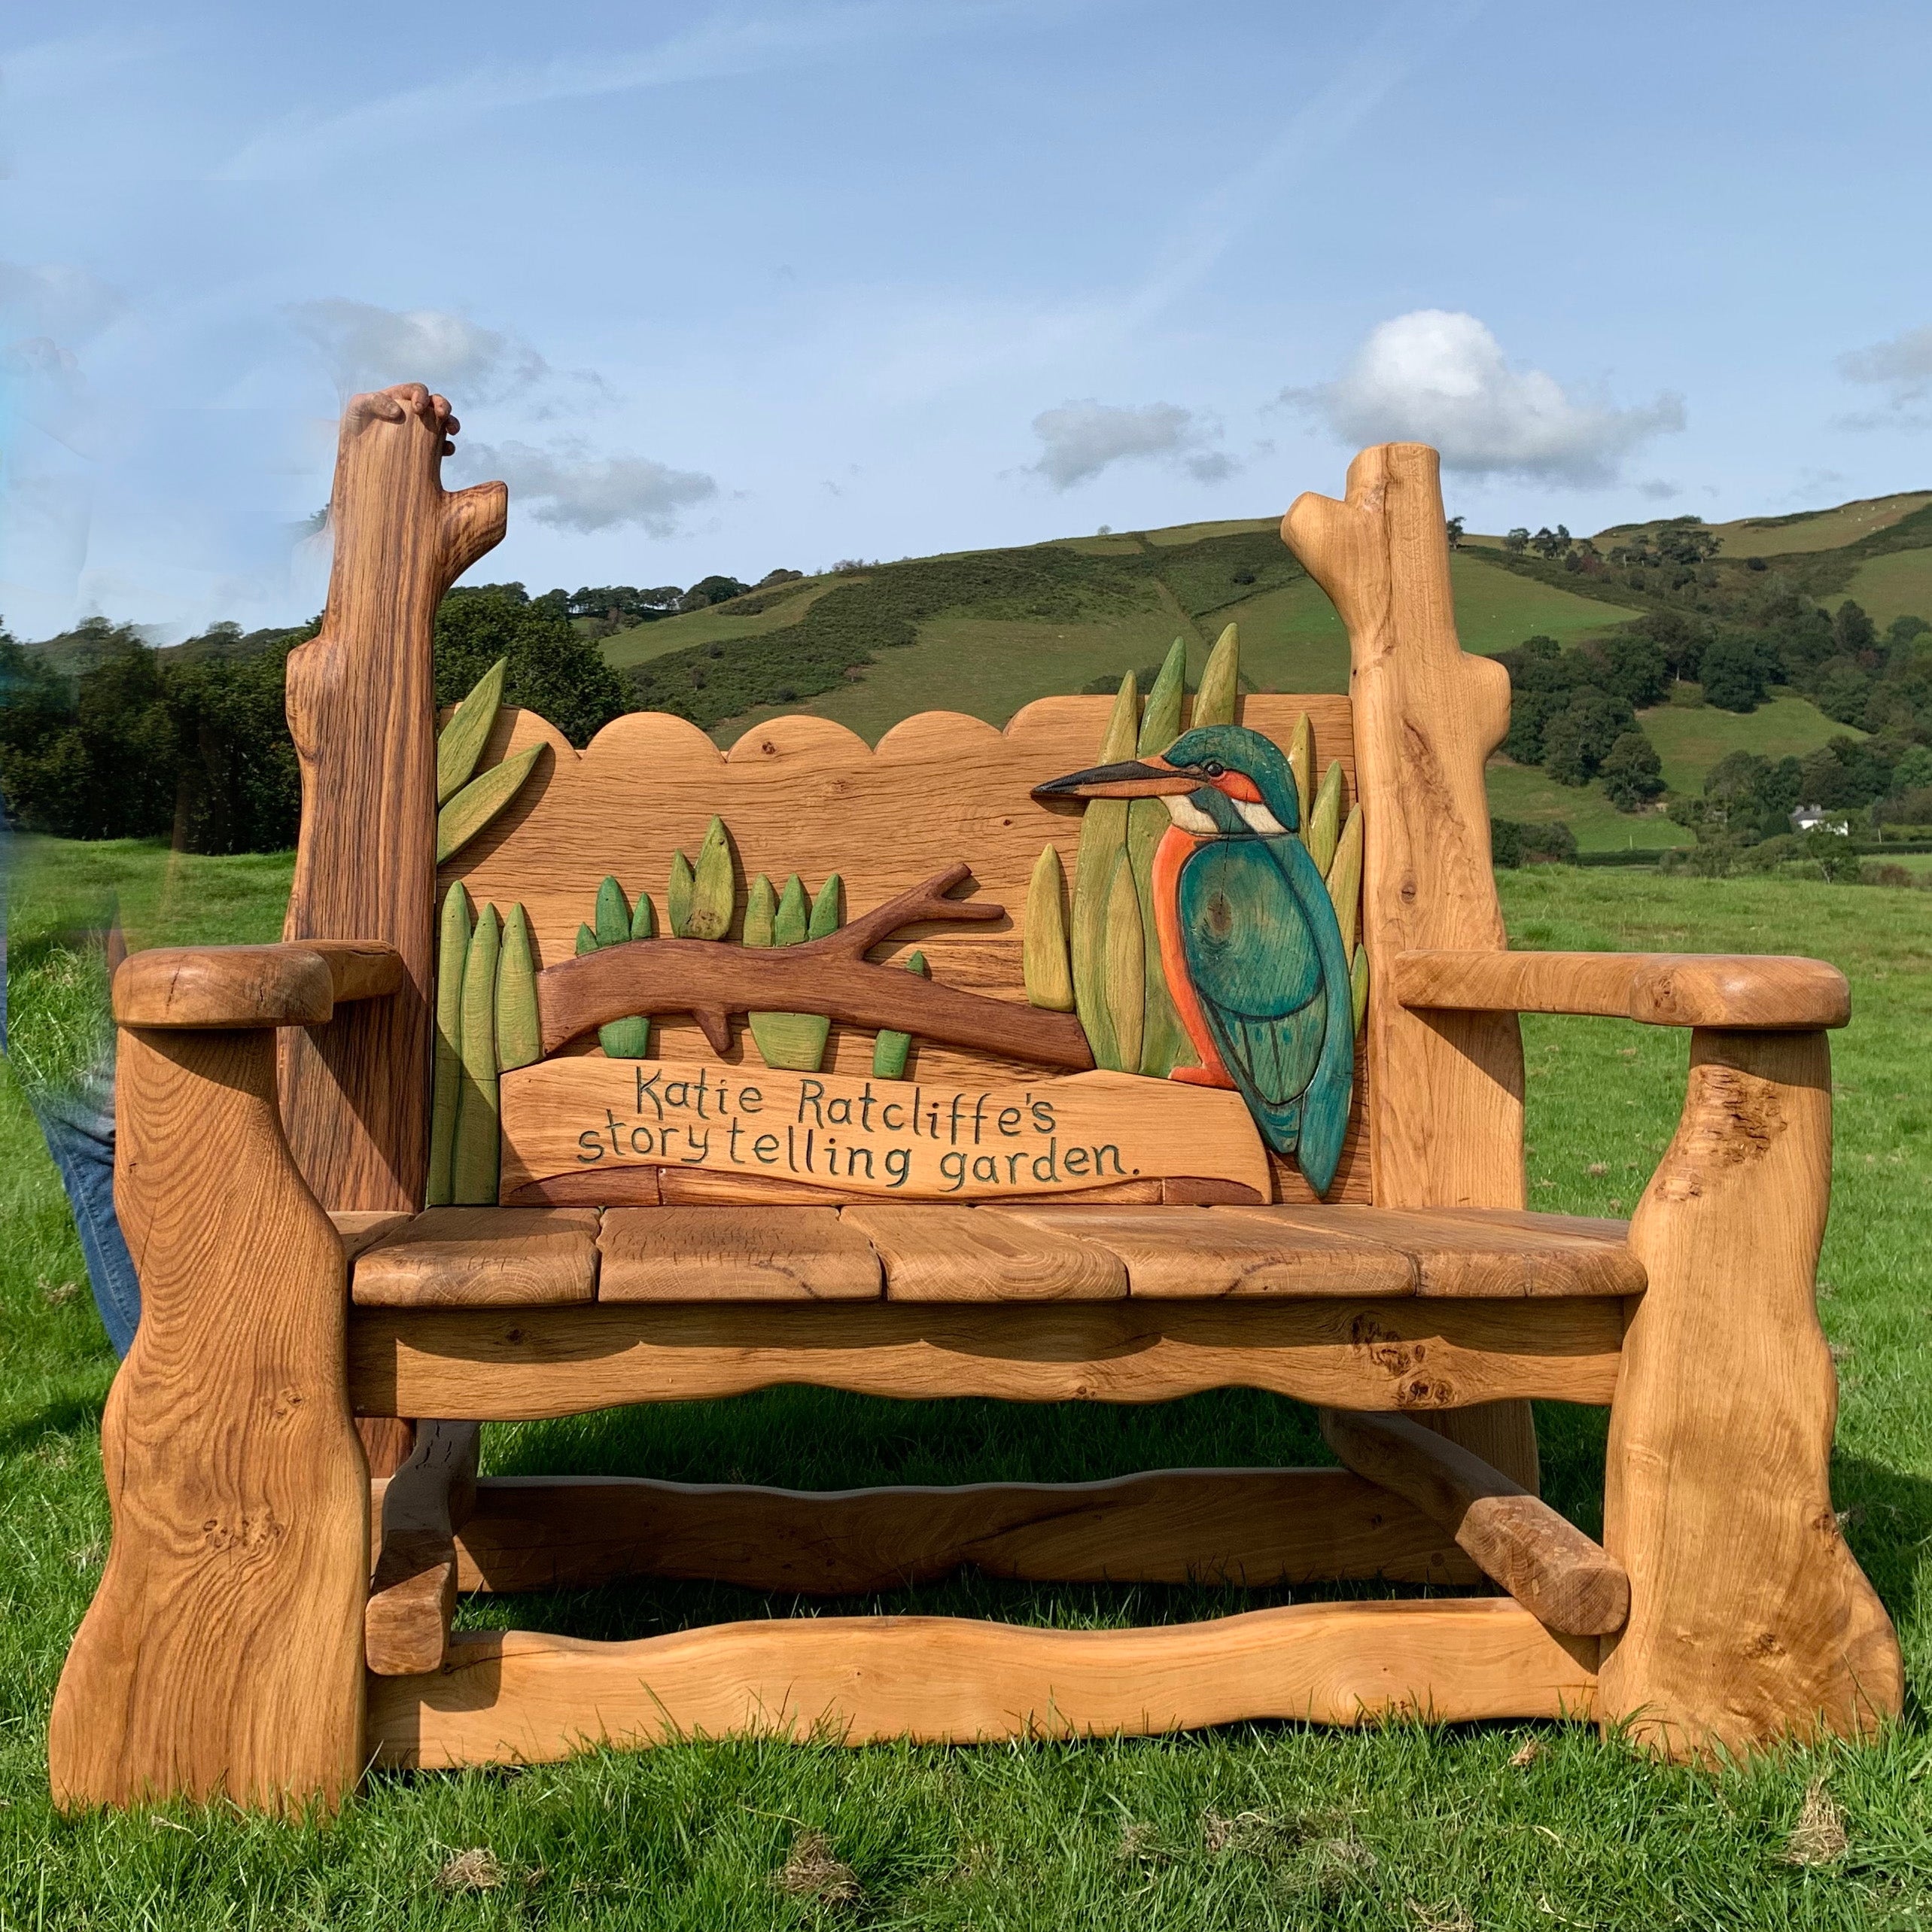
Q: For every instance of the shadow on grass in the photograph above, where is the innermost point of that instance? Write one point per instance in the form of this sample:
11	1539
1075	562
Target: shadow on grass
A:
73	1415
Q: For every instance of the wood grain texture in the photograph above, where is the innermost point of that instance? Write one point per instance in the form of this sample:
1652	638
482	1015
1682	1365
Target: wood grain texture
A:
803	795
222	1653
1189	1253
1548	1566
483	1257
1444	1107
1247	1527
362	710
519	1695
775	1131
631	1187
1482	1252
734	1253
360	1230
249	986
1418	1356
1749	1617
1747	991
933	1253
412	1594
829	975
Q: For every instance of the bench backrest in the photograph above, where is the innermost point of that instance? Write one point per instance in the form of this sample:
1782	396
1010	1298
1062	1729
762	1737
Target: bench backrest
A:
1434	1113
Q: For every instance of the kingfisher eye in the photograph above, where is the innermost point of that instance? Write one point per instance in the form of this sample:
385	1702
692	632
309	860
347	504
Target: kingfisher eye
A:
1214	768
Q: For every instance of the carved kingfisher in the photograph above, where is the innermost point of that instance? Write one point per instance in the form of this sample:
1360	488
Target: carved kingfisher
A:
1249	943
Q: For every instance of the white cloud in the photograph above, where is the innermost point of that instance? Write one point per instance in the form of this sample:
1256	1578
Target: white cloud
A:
366	347
573	490
1440	377
1081	439
1903	368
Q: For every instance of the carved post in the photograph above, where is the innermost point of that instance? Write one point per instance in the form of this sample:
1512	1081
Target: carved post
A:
222	1650
361	705
1749	1616
1445	1094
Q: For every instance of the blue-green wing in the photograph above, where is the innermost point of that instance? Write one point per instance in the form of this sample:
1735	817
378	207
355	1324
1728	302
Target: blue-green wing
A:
1265	955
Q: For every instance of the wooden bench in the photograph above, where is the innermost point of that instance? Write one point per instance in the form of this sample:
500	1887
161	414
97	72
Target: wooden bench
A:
1036	1064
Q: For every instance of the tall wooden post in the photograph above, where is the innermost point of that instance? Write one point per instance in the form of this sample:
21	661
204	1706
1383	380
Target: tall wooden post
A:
1445	1103
361	703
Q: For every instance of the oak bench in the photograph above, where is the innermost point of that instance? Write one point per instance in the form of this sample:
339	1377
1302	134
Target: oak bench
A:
1134	1050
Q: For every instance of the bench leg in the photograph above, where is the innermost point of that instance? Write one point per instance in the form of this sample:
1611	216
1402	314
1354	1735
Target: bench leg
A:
1749	1617
223	1651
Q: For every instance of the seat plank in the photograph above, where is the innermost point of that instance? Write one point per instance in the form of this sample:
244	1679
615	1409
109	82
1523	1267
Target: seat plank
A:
483	1257
1193	1253
361	1228
1486	1253
938	1253
734	1253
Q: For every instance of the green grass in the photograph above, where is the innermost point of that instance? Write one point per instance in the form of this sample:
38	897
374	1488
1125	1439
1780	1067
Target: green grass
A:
1899	584
1690	740
1250	1826
1523	792
722	622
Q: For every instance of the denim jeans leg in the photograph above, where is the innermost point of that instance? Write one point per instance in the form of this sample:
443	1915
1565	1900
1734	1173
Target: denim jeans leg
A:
81	1139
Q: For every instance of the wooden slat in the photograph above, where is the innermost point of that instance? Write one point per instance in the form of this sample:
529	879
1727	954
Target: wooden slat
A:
483	1257
406	1622
1548	1566
1189	1253
531	1698
1479	1252
1250	1527
1745	990
1408	1354
977	1254
730	1254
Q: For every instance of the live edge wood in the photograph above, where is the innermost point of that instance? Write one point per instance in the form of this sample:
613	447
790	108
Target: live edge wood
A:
1745	991
533	1698
361	708
1246	1527
1548	1566
518	1364
1445	1101
1749	1616
250	985
413	1595
222	1654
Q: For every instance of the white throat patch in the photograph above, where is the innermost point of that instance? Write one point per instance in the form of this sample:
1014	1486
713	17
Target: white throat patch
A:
1259	818
1189	816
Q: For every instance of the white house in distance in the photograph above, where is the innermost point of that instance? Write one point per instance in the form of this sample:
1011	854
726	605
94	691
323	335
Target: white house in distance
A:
1816	818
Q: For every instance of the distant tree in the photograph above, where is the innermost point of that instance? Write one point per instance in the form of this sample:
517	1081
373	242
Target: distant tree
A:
1852	632
1577	739
1631	772
1517	540
708	591
1634	668
1505	842
1913	771
552	670
1842	691
772	577
1736	673
1452	529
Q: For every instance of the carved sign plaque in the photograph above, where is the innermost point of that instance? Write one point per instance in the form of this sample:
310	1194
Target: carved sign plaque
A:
897	1139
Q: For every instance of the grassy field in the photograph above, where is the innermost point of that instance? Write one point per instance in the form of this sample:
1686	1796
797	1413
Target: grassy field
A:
1804	533
991	665
1899	584
645	641
1690	740
1523	792
1520	1825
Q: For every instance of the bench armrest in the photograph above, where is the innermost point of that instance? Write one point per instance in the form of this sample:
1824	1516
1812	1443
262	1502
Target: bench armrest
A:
296	984
1739	990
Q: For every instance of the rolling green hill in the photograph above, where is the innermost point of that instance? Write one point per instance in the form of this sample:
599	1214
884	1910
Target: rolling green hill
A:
985	632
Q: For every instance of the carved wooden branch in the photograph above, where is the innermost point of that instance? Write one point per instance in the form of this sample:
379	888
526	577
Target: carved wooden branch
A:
832	976
362	710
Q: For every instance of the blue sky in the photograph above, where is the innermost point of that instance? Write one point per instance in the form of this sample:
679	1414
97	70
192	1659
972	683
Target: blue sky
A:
726	289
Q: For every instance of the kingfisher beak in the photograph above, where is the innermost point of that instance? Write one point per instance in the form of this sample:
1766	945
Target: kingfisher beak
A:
1132	778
